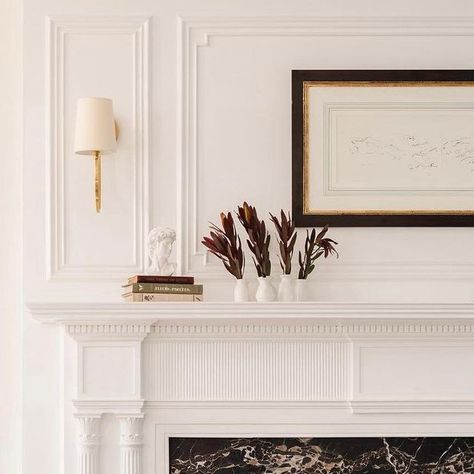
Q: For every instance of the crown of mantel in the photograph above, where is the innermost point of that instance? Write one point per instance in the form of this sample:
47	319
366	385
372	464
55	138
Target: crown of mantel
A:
325	311
136	321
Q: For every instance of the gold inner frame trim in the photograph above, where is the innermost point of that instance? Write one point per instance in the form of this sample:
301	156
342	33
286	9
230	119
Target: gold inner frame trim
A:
404	212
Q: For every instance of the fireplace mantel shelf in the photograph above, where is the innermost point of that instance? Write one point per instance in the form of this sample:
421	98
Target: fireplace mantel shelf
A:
69	312
334	355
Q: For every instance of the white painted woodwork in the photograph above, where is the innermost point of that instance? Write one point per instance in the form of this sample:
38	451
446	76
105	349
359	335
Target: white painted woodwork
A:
88	444
131	440
301	369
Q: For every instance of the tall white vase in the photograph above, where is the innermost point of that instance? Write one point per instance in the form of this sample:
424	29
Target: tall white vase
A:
265	290
241	291
286	290
302	290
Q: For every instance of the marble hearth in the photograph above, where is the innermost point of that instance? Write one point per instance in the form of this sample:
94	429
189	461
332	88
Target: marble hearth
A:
290	379
321	455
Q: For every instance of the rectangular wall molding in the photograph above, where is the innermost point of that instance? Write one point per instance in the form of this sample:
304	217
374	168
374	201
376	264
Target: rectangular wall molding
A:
195	34
113	32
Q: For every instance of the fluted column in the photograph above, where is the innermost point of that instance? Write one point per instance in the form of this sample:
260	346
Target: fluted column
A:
89	444
131	440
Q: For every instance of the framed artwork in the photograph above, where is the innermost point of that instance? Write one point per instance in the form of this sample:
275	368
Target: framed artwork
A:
383	147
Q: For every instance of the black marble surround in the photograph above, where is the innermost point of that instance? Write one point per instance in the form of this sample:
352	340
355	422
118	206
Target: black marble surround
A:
321	455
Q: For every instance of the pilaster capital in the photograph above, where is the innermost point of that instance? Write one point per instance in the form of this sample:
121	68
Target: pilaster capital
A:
131	430
89	429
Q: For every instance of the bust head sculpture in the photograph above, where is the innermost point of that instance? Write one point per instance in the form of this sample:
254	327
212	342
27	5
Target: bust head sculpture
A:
160	245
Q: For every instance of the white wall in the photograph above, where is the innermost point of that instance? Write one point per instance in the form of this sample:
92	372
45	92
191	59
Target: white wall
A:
10	235
202	94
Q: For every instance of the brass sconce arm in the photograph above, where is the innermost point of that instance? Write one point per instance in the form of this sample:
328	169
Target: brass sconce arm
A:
98	181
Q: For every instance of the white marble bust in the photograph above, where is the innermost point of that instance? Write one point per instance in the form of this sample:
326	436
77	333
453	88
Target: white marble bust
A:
160	245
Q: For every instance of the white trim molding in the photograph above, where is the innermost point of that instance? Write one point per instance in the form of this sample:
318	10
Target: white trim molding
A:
140	317
58	29
412	406
97	406
196	33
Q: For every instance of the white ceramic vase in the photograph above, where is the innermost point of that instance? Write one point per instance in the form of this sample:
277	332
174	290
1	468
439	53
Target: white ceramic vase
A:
265	290
286	289
302	290
241	291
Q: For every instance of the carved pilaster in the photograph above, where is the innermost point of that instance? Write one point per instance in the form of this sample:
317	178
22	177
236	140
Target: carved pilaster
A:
89	444
131	440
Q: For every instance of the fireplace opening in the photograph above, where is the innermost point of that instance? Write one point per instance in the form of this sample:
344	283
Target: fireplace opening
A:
414	455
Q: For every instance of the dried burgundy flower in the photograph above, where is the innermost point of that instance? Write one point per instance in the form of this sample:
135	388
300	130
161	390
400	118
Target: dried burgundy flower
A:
258	238
314	248
225	244
287	239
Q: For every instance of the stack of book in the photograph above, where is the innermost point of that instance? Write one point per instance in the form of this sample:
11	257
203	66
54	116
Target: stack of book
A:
153	288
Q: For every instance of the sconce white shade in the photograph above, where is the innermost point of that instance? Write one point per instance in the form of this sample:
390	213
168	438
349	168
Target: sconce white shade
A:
95	126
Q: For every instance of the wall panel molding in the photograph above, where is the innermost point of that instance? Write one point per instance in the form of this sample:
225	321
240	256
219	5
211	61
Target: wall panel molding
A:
58	30
196	33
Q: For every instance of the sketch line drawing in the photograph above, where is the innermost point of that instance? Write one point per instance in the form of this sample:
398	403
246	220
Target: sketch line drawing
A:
417	153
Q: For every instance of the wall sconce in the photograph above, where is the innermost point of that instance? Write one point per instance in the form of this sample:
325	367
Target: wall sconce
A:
95	134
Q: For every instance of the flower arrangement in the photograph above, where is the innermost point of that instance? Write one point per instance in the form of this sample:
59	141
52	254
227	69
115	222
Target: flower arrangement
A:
315	246
225	244
258	238
285	228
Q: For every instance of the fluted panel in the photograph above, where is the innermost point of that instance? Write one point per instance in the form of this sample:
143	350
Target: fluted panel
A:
130	459
176	370
88	460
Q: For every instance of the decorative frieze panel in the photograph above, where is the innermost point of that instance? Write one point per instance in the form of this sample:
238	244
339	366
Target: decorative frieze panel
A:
246	370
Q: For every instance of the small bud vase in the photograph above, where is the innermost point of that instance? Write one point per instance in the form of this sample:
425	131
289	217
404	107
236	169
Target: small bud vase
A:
286	290
302	290
241	291
265	291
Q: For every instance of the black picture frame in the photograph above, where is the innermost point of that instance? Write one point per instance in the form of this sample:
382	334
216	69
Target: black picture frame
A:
381	219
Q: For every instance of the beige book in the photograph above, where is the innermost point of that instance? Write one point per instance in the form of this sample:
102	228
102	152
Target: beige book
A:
160	297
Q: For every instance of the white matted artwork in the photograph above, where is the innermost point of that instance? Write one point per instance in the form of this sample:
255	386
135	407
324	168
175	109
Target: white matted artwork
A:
383	147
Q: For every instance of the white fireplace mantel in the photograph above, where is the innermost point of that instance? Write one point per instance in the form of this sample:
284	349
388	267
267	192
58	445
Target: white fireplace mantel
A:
67	312
344	349
165	368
